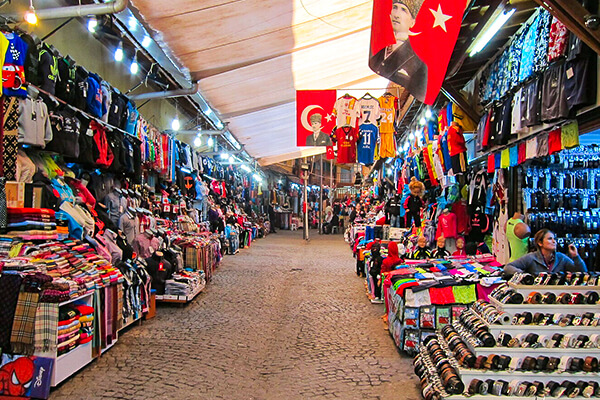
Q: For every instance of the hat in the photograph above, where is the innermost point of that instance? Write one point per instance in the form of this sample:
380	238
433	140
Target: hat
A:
413	6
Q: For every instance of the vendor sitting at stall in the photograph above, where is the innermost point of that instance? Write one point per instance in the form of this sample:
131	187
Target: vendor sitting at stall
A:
546	258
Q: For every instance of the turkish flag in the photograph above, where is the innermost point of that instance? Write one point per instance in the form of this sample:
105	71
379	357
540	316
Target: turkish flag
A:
330	153
314	106
412	42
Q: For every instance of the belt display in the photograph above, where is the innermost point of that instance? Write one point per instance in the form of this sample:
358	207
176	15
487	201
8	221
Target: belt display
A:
498	345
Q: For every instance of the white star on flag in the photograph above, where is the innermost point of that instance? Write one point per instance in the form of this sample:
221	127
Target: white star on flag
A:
440	18
328	117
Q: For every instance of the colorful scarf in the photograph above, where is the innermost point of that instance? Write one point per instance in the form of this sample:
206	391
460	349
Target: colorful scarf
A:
9	294
46	327
23	329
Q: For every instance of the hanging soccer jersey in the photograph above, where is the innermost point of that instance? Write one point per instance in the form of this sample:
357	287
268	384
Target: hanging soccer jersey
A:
346	138
369	110
346	111
387	144
387	110
366	145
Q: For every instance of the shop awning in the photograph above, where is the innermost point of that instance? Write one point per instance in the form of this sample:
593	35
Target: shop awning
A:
251	56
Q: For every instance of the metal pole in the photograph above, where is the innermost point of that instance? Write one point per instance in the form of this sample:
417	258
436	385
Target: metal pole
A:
321	200
305	207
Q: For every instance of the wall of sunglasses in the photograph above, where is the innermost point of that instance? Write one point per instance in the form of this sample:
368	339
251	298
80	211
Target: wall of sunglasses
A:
536	337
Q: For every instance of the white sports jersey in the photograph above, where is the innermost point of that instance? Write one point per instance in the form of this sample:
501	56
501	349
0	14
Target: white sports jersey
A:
346	111
369	111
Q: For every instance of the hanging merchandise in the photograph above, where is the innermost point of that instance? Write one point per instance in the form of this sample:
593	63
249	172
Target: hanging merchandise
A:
346	138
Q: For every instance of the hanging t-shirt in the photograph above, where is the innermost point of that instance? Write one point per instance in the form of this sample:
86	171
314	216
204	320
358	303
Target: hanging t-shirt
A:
531	150
456	141
514	156
505	159
542	145
366	145
130	124
346	138
570	135
369	110
387	110
447	225
522	153
3	47
554	141
346	111
13	71
459	116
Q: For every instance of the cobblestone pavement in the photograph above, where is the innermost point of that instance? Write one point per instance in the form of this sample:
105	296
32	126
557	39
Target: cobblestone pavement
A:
284	319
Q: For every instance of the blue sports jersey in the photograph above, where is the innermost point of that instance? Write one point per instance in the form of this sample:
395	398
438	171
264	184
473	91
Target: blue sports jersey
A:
366	144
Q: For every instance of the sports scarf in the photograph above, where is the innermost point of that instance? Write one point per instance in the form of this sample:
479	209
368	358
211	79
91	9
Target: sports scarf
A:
23	328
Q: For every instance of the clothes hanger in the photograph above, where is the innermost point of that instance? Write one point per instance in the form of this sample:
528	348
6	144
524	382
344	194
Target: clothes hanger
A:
367	96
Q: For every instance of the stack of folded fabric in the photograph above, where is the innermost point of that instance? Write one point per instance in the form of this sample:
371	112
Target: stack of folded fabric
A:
56	291
32	223
86	331
68	329
175	288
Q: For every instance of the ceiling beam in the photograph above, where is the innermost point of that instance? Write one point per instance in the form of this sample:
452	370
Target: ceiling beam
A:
462	51
573	15
454	96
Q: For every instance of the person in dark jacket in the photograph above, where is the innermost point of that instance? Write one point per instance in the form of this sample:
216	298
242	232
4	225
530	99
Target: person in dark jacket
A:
546	258
375	271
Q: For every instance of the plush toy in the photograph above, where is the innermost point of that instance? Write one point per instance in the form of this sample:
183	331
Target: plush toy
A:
414	203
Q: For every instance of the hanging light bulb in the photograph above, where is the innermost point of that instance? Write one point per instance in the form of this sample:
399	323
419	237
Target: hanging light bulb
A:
210	142
175	125
224	156
119	52
30	15
92	24
146	41
428	114
134	67
411	137
422	121
197	141
231	160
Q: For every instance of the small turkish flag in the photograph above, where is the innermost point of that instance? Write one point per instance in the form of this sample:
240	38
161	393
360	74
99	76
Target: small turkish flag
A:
314	116
412	41
330	153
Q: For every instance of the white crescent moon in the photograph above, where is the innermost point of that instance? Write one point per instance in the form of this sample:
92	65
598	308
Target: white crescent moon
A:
304	116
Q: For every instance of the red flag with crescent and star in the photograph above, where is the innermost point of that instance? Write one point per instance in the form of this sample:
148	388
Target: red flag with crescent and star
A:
309	103
412	42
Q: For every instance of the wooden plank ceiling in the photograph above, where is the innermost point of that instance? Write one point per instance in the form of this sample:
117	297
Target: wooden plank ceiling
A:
250	57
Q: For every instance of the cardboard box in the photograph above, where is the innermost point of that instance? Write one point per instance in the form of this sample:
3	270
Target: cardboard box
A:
15	194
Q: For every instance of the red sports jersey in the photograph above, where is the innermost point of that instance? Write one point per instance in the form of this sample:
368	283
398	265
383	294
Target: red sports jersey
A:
346	138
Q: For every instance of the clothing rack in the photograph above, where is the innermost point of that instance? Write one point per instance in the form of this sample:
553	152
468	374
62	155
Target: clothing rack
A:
83	113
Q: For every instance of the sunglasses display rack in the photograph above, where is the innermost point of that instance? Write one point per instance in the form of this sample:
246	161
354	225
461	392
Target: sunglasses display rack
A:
528	341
